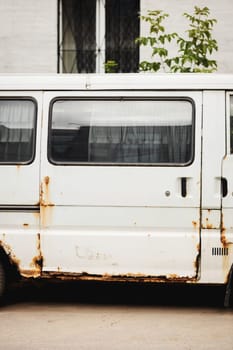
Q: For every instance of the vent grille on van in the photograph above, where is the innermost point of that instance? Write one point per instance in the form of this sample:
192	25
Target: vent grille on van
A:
219	251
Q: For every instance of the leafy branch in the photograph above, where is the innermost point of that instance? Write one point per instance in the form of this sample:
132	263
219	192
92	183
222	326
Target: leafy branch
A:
193	52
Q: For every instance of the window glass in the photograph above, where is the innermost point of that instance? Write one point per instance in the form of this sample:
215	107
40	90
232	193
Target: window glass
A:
17	126
121	131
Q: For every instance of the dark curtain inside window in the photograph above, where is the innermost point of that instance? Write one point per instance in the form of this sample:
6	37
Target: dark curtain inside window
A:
122	28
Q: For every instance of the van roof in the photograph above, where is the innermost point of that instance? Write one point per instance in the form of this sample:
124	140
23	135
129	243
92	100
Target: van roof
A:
117	81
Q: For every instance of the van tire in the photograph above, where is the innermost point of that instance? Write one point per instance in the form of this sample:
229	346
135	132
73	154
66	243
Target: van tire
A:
2	281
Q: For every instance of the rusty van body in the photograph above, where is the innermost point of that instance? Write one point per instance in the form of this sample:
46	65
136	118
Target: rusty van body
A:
123	177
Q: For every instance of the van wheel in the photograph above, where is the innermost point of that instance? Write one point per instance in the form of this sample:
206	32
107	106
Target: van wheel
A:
2	281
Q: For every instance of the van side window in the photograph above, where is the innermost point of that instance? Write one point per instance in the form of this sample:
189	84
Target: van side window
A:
121	131
17	130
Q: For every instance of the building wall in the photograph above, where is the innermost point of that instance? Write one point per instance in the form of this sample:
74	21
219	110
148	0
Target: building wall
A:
221	10
28	32
28	36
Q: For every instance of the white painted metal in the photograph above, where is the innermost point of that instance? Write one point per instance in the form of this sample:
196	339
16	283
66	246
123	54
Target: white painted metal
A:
142	81
118	220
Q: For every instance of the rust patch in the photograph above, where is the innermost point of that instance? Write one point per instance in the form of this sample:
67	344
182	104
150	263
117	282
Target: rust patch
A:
46	180
207	225
36	264
37	261
194	223
45	202
44	193
223	238
224	241
138	278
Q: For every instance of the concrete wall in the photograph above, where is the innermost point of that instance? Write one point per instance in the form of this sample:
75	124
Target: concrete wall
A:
28	32
28	36
223	33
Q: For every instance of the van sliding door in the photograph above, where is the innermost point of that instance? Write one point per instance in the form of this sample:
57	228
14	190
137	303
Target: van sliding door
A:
120	183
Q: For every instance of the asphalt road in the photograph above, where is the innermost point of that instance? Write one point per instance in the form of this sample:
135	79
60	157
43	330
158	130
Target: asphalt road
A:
102	316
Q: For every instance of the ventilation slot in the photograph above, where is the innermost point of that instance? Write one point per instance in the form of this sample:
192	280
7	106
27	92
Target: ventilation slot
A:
219	251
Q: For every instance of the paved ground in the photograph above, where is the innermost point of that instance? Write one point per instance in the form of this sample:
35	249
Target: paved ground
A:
100	316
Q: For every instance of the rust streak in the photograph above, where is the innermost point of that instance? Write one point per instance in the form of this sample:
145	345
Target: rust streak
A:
44	193
223	238
46	180
37	261
224	241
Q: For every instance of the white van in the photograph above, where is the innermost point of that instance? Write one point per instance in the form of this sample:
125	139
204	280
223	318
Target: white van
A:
122	177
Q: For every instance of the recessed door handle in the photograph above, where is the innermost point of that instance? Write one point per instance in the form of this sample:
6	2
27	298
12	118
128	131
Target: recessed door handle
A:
224	187
183	186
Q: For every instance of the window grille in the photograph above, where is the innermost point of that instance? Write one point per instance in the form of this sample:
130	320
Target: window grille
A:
93	32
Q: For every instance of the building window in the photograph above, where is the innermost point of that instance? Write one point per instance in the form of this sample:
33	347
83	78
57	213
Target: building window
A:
121	131
93	32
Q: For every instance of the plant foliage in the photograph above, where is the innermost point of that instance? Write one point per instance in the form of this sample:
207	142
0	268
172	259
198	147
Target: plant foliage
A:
193	53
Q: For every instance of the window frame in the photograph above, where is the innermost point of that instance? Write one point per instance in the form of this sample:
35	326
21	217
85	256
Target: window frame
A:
121	98
34	138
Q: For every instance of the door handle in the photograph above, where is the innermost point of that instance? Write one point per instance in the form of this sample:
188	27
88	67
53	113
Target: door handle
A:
183	186
224	186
